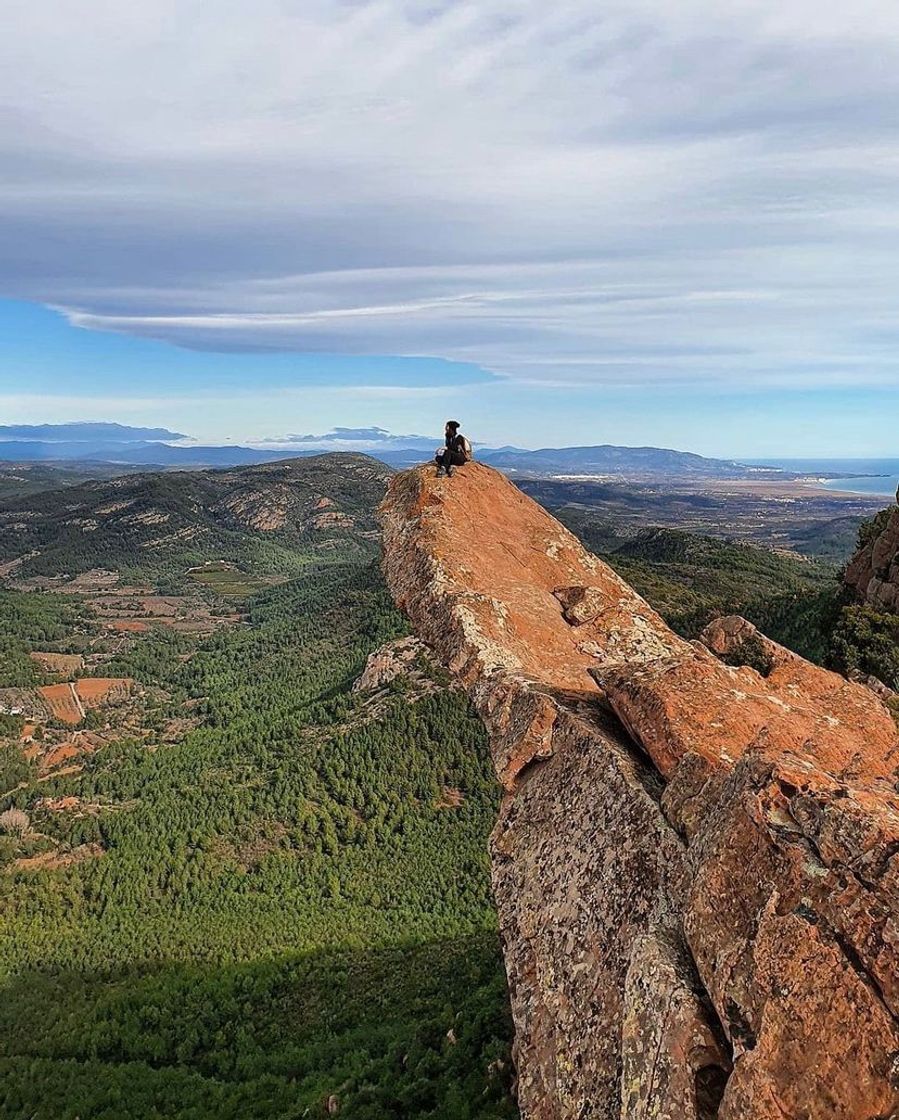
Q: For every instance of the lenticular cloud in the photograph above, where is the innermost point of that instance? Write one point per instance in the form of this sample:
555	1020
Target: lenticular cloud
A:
641	193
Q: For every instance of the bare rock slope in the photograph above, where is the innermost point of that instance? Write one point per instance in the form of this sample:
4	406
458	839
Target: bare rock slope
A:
873	573
696	864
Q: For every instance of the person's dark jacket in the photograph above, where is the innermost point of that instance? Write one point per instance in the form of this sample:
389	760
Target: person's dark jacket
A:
455	450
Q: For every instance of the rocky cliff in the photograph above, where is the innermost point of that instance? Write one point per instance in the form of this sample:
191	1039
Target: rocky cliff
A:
696	863
873	573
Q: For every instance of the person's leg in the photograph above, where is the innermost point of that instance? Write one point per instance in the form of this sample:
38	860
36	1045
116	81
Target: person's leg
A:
439	460
453	459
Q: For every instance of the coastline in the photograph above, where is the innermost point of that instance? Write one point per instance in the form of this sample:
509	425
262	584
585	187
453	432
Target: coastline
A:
779	488
889	483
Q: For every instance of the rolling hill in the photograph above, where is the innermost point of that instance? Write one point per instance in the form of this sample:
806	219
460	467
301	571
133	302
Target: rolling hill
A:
23	479
164	521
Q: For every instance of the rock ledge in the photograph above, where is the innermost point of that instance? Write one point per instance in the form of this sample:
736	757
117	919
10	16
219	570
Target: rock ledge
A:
696	863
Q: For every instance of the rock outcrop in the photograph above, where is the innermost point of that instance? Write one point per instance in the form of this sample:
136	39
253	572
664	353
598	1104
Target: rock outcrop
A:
696	862
873	573
399	658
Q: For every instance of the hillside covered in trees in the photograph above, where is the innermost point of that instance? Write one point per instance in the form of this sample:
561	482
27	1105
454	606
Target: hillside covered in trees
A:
281	906
270	516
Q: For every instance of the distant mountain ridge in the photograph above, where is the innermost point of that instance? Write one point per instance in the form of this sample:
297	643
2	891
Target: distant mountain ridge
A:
137	453
81	430
157	447
614	459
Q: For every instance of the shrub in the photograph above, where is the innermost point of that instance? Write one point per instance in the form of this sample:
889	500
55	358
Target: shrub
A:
15	822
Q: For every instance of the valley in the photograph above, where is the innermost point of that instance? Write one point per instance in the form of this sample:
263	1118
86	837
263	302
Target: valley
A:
787	515
245	817
255	876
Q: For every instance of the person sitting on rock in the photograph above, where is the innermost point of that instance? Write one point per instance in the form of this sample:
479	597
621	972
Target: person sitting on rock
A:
456	452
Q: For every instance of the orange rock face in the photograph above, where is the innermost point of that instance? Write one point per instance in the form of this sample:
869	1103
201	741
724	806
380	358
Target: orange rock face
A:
696	864
873	573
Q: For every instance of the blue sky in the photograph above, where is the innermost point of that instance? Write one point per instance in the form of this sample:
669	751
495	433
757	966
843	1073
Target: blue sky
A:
641	222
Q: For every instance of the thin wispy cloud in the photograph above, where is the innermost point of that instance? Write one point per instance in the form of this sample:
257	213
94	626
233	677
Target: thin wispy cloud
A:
633	193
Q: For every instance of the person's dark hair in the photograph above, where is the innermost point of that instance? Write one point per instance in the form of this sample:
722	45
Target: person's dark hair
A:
454	424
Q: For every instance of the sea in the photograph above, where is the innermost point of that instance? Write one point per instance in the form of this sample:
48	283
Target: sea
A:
882	487
874	477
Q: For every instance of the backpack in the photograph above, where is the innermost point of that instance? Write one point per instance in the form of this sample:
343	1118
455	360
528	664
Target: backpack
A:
465	448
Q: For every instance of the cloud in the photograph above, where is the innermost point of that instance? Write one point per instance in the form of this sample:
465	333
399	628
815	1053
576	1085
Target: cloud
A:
371	435
356	439
643	192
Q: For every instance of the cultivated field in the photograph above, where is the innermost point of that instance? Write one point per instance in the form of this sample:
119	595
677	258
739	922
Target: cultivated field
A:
63	702
94	691
63	663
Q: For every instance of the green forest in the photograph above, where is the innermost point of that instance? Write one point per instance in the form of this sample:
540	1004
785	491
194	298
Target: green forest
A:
287	910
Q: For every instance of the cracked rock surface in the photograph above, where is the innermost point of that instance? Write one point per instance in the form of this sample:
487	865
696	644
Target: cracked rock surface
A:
696	864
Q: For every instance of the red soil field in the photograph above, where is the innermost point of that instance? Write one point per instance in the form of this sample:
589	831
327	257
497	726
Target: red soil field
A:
94	690
128	626
61	702
59	754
